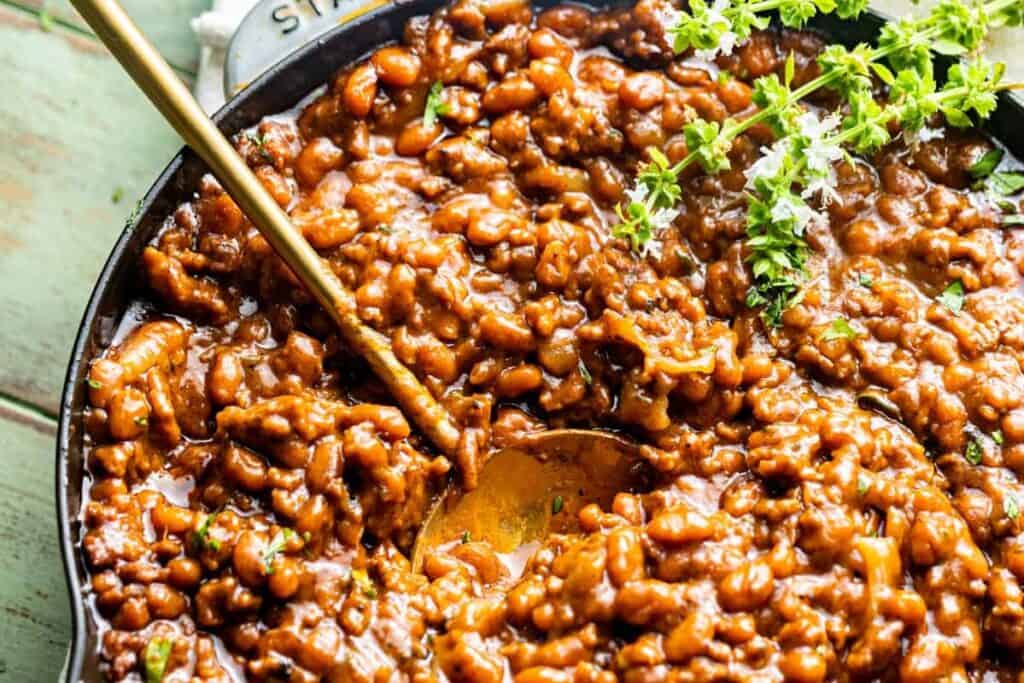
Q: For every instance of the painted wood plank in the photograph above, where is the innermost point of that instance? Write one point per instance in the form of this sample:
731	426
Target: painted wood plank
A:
1003	45
75	133
35	616
166	22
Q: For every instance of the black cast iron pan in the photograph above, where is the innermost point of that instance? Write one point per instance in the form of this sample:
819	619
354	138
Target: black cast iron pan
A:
279	89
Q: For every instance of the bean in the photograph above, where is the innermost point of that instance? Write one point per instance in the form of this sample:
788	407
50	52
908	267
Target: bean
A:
361	90
396	66
517	92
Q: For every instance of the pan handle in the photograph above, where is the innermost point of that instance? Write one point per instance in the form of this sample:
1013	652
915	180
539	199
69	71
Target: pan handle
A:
274	29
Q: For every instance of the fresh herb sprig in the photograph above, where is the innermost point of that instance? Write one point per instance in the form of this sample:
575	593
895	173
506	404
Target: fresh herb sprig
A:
779	216
717	28
807	147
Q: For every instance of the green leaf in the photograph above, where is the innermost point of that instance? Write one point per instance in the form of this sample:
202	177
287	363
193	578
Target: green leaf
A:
201	538
117	195
1012	220
362	580
963	26
155	657
948	47
997	436
952	297
585	373
435	107
865	281
711	149
850	9
983	167
975	451
1011	507
863	484
849	70
1006	182
660	180
557	504
275	547
957	118
46	20
883	73
795	13
790	69
840	329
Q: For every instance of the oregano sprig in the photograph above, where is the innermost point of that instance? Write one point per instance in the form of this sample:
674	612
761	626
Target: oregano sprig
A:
800	162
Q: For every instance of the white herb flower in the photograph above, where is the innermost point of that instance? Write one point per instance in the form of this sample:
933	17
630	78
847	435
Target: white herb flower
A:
638	193
792	208
668	17
716	19
823	187
926	134
770	164
821	150
663	218
651	248
815	128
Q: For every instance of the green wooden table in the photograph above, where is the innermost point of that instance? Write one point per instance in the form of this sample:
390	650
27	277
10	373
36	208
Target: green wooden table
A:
78	146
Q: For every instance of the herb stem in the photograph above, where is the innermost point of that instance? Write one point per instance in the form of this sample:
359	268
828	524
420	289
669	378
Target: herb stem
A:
737	128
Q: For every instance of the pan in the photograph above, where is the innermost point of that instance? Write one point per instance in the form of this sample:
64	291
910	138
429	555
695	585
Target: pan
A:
280	88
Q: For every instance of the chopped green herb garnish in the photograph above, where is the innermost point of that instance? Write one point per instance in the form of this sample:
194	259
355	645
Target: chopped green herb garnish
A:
1010	506
201	538
385	228
724	77
46	20
435	106
155	657
94	384
276	546
840	329
863	484
117	195
1006	182
585	373
557	504
260	141
134	215
142	421
362	581
983	167
952	297
997	436
465	537
865	281
1012	220
974	452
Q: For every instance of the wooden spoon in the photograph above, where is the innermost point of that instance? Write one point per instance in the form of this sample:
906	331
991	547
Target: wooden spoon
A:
532	489
163	87
515	502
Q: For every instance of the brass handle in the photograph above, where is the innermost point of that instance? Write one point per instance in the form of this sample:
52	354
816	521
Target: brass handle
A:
163	87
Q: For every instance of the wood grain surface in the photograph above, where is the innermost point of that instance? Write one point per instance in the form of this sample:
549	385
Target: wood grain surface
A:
78	146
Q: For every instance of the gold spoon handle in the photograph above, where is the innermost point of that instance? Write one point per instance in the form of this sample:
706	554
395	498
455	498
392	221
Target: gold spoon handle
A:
163	87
